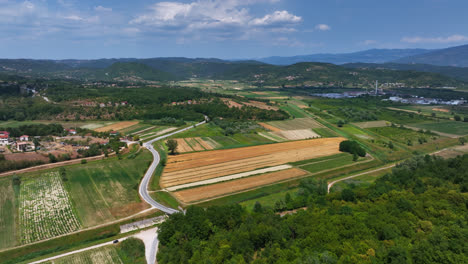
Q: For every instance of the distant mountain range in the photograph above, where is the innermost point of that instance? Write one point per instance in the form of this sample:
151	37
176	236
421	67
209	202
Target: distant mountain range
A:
410	66
367	56
455	56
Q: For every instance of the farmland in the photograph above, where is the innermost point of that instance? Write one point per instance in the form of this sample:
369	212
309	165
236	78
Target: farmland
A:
187	168
45	209
107	190
295	124
7	214
116	126
450	127
219	189
371	124
103	255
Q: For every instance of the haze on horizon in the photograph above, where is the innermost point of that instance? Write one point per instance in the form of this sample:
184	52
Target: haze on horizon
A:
228	29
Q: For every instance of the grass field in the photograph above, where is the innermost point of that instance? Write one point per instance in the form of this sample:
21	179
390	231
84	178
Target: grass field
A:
165	199
269	200
295	124
8	209
450	127
134	128
103	255
107	190
328	164
370	124
293	110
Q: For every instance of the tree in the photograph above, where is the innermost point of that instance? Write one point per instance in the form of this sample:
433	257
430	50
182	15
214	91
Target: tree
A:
52	158
63	174
83	161
172	146
16	180
36	143
457	118
462	140
390	145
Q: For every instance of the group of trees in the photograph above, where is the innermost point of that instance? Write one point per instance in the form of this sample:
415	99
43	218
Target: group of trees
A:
35	130
417	214
352	147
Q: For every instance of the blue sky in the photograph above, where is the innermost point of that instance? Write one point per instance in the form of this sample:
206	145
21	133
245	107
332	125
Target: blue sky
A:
89	29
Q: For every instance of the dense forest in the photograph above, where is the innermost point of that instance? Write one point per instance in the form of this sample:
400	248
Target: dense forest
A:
416	214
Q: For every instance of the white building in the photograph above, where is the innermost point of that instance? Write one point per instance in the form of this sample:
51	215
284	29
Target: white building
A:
4	138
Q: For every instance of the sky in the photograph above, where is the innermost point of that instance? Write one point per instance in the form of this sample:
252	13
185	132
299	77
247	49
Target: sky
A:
226	29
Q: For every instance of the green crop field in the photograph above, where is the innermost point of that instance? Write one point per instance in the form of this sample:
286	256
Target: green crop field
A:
8	209
403	135
45	209
103	255
105	190
135	128
293	110
450	127
328	164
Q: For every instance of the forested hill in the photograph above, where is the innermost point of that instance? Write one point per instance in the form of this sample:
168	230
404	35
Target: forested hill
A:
460	73
170	69
417	214
453	56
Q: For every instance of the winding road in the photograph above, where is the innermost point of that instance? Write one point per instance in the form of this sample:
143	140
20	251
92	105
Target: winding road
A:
143	190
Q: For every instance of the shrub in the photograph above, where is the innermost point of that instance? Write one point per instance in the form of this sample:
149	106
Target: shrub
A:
132	250
83	161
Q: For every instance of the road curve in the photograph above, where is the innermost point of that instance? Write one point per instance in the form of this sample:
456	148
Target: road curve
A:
143	190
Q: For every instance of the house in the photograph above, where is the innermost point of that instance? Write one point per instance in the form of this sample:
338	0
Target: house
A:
24	138
23	146
102	105
124	103
4	138
114	133
71	131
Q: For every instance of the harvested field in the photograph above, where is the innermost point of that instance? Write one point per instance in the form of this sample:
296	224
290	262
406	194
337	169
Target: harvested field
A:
200	166
230	177
371	124
204	144
182	146
158	133
297	134
272	136
211	142
295	124
441	110
219	189
116	126
260	93
269	127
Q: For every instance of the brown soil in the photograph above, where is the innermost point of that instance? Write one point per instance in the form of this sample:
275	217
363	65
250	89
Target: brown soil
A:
116	126
26	156
128	209
441	110
261	105
182	146
269	127
219	189
205	144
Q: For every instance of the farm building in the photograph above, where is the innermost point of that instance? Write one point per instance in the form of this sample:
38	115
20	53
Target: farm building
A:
71	131
24	138
4	138
114	133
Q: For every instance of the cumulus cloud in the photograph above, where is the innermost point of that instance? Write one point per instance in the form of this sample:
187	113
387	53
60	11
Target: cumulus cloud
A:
449	39
225	17
278	17
322	27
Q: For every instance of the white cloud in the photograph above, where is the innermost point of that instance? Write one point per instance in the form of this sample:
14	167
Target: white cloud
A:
449	39
278	17
322	27
219	18
102	9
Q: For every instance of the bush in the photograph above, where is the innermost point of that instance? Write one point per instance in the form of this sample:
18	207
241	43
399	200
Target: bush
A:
132	250
352	147
83	161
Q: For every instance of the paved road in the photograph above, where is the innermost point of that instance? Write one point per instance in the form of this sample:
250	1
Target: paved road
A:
143	190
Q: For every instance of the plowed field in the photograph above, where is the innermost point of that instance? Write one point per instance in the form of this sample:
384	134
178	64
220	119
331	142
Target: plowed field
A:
219	189
269	127
199	166
295	124
116	126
